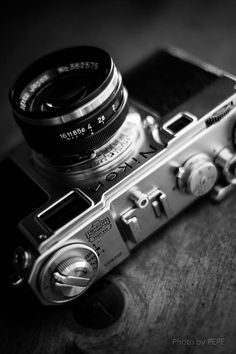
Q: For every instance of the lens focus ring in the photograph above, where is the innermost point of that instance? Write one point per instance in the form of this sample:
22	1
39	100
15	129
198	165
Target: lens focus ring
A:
69	102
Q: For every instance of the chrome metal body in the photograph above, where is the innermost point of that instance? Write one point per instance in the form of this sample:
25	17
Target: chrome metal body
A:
132	195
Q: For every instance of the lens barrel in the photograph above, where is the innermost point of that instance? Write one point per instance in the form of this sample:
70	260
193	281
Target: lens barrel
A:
69	102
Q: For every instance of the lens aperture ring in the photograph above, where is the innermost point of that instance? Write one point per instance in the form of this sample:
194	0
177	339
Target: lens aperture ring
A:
73	138
93	122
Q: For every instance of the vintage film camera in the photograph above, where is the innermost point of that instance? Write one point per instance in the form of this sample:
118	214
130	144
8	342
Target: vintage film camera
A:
106	170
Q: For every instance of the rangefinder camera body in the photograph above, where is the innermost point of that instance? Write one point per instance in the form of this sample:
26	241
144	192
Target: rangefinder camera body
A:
112	170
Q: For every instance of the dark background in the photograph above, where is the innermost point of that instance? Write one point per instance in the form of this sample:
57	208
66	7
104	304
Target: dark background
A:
128	29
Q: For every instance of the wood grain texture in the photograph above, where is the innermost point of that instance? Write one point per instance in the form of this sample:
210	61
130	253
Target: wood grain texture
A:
179	284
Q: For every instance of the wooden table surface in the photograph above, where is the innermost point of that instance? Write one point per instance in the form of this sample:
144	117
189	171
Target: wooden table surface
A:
178	288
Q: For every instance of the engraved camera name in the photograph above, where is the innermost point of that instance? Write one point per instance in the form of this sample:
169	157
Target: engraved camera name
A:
98	229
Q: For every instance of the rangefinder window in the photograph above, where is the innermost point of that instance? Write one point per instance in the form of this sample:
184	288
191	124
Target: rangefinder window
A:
178	123
65	211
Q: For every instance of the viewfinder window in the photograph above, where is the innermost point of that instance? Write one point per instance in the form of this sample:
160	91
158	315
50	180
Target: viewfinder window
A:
65	210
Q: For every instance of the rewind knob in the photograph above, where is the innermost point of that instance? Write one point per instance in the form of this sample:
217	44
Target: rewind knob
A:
197	176
71	275
68	272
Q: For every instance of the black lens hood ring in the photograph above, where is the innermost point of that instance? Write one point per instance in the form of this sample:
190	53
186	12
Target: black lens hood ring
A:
91	120
80	112
53	60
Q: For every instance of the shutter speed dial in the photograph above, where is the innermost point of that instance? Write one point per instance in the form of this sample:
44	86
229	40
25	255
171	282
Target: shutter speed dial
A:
227	160
197	176
68	273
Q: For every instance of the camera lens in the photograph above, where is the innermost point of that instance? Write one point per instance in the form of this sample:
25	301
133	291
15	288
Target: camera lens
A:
69	102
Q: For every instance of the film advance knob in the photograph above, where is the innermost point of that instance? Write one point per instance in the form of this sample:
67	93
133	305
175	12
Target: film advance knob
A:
197	176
